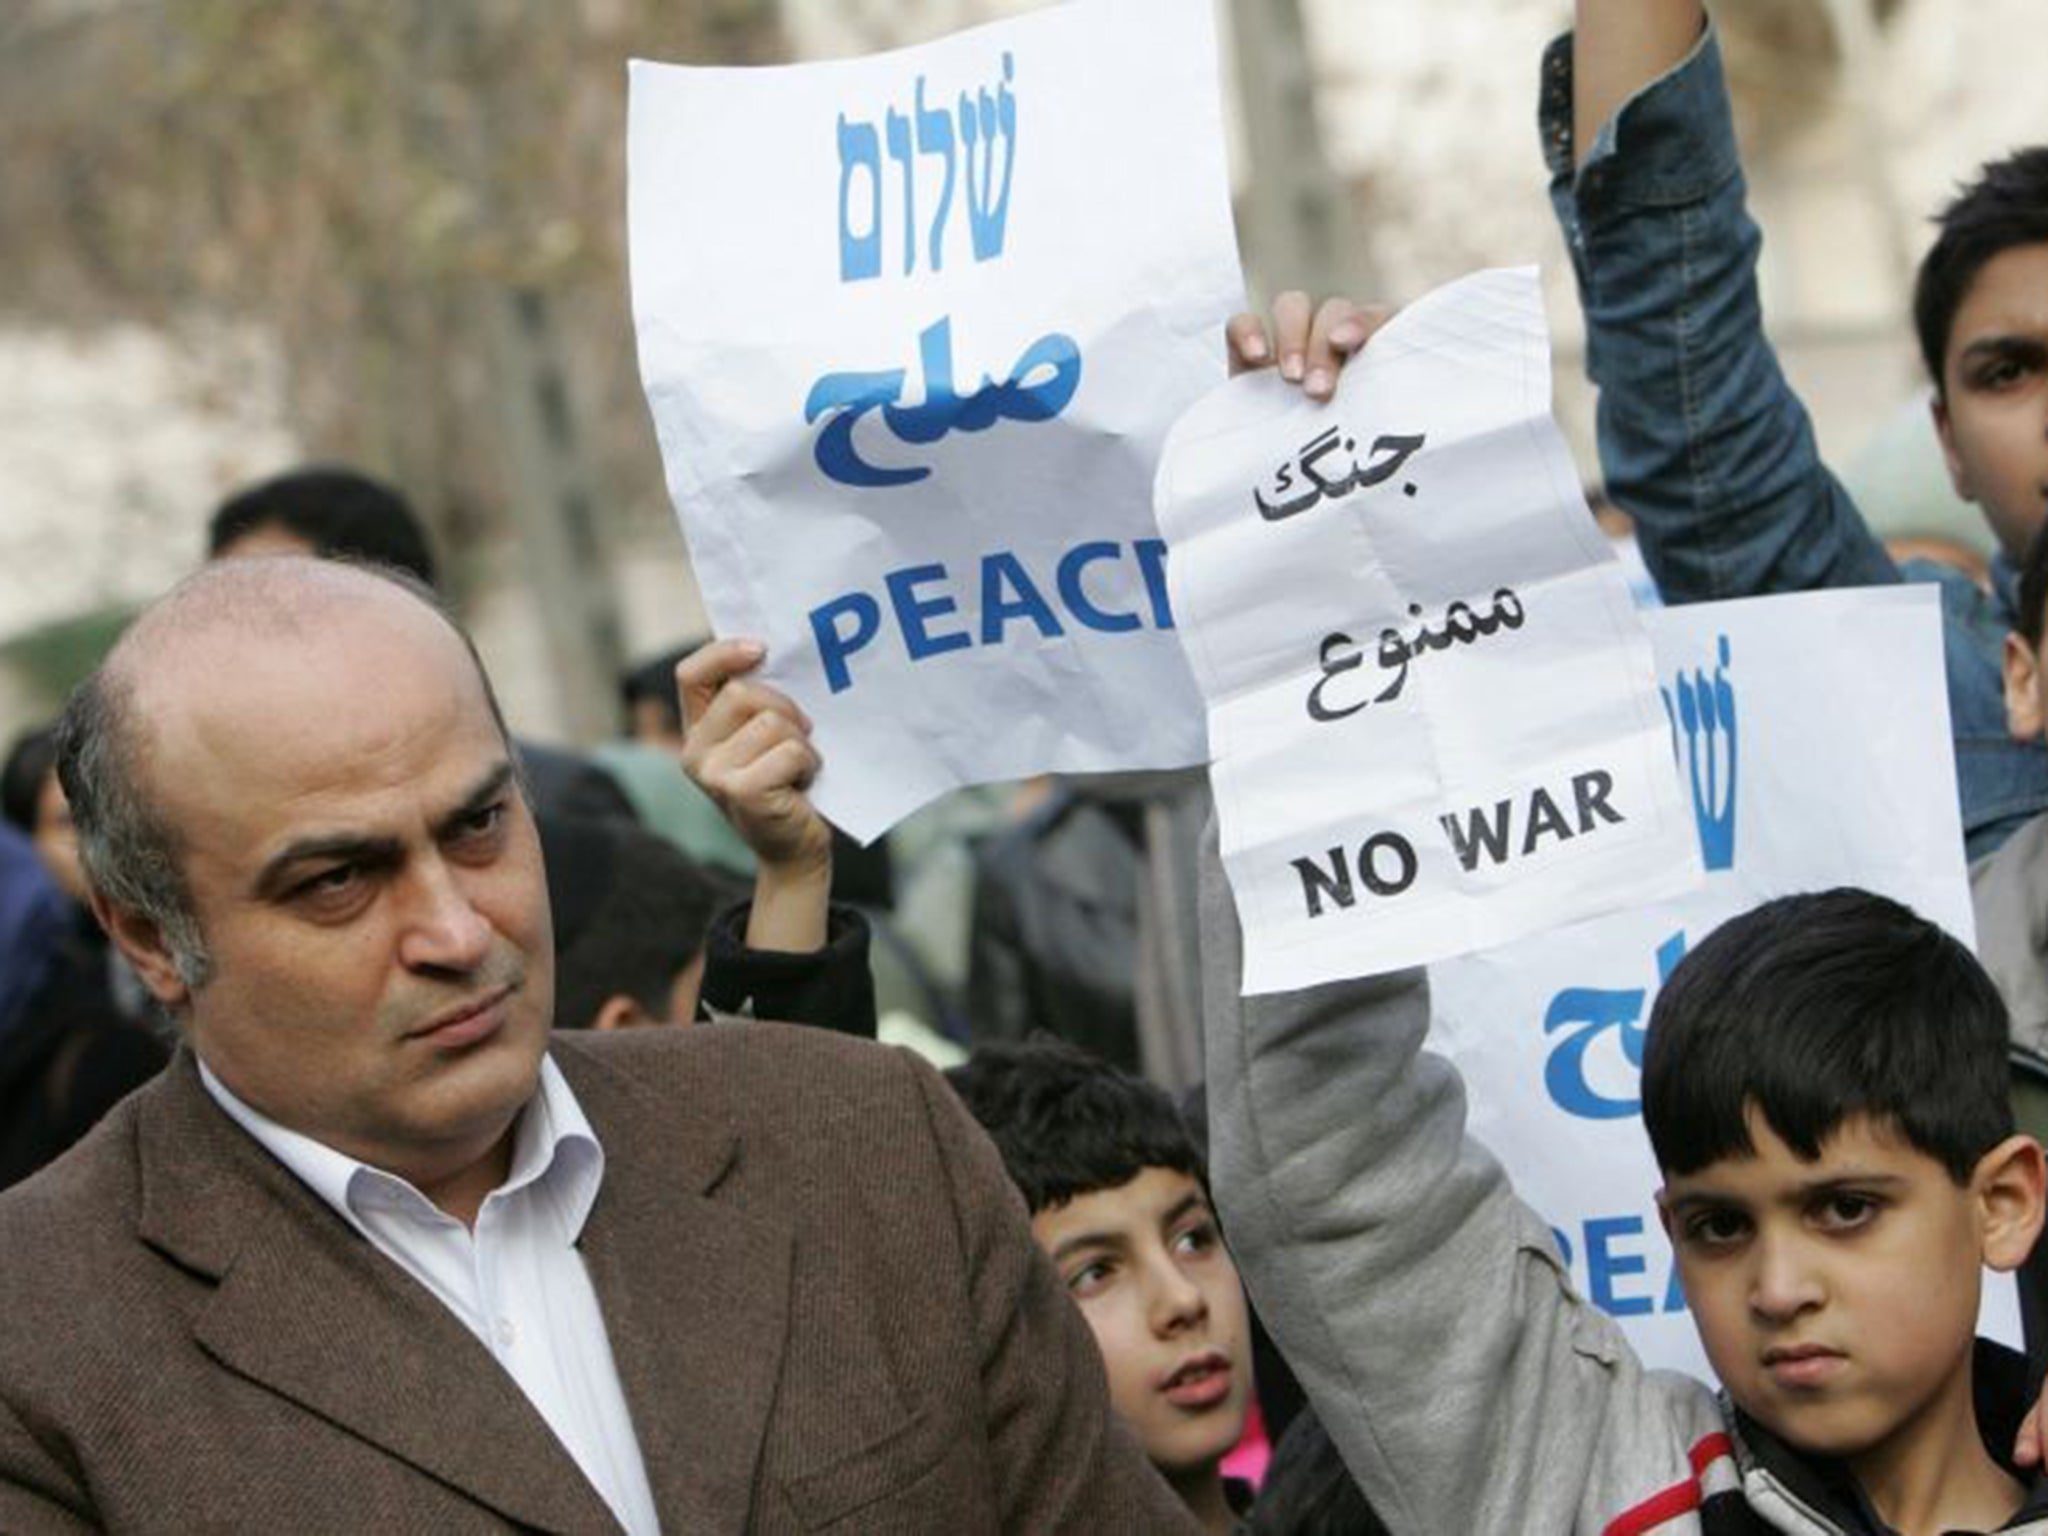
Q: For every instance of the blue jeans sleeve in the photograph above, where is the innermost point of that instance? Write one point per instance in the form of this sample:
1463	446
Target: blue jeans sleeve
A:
1702	440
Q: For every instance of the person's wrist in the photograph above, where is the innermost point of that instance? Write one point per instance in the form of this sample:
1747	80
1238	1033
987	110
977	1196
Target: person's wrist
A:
792	898
805	871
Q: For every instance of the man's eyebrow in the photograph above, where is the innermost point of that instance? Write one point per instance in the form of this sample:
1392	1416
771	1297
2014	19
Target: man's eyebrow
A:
354	847
487	789
338	847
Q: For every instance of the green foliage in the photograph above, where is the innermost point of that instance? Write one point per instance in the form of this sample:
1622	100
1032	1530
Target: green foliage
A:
53	659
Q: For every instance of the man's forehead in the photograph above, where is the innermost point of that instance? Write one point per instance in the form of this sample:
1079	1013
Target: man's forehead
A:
252	669
221	633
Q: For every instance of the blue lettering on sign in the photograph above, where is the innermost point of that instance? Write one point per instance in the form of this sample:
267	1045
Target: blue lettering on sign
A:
912	611
920	597
1705	707
1605	1262
1008	592
1587	1014
977	142
1072	564
1037	388
987	127
1618	1279
835	644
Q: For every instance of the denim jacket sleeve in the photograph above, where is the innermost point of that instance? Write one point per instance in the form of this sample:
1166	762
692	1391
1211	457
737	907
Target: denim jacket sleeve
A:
1702	441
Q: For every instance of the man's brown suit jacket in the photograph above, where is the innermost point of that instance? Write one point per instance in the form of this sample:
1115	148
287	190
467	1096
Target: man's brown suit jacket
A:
821	1291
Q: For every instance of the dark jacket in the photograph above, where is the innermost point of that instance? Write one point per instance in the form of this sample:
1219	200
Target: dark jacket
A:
825	1304
70	1056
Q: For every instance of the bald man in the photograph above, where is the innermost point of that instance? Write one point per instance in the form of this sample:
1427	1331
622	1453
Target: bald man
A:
377	1252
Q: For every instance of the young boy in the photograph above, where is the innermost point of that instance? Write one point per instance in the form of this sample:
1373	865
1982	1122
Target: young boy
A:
1117	1199
1825	1087
1702	439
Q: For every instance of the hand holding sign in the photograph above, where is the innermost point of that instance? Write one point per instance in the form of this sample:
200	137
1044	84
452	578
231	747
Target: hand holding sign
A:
1308	342
1432	712
748	747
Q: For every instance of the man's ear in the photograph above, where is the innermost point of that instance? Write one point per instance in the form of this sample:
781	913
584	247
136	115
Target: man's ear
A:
2022	689
2010	1185
621	1012
141	941
1945	432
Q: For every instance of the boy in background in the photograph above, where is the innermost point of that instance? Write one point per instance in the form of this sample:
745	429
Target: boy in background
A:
1118	1202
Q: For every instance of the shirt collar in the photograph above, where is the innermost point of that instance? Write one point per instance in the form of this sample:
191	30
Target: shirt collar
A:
552	1142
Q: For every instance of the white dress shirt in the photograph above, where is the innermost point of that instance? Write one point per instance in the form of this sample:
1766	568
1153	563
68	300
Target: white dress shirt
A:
517	1282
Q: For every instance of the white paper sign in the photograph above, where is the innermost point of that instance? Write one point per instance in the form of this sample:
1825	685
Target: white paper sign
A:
1812	731
1432	709
912	329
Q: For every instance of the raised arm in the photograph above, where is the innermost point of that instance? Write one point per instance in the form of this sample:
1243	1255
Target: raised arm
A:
1422	1305
748	746
1620	46
1702	440
789	954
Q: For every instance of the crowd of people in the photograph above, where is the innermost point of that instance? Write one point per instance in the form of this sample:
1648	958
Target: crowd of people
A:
405	1125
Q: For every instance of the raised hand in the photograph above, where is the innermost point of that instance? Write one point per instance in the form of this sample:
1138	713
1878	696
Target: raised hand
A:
748	746
1309	342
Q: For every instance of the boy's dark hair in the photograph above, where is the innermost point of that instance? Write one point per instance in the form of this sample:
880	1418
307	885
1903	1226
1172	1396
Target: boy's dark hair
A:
1817	1009
1068	1124
631	910
29	762
2007	205
340	512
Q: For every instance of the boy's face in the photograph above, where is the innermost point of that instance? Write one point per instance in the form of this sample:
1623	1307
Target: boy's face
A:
1837	1299
1992	410
1149	1271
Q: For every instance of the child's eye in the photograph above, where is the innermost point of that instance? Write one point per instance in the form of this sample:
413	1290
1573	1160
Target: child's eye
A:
1843	1212
2003	372
1090	1278
1717	1229
1201	1237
